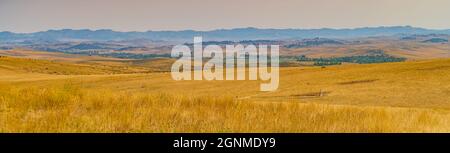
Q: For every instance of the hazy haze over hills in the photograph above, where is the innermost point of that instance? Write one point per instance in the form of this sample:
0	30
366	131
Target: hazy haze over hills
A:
221	34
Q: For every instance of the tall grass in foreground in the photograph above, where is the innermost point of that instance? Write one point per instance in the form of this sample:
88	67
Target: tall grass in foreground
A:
67	108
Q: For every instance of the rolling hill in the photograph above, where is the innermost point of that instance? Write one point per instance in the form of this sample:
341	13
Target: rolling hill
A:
410	96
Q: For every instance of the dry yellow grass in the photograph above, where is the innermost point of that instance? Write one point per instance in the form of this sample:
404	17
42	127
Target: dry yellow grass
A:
70	109
392	97
70	64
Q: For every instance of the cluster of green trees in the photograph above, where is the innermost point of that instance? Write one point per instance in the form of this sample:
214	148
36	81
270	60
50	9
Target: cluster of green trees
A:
360	59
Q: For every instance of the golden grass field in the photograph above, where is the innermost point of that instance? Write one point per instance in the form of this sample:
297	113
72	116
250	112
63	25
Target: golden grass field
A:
94	94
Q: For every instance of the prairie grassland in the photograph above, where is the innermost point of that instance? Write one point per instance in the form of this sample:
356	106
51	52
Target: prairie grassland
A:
70	109
391	97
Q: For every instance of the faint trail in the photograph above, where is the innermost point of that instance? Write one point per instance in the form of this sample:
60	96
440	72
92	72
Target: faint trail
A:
248	97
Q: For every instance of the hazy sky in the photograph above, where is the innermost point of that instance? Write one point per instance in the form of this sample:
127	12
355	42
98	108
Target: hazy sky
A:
143	15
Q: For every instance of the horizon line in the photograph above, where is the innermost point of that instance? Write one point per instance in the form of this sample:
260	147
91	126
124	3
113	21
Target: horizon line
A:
234	28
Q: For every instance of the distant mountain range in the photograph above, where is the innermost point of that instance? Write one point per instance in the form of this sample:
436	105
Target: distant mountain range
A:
237	34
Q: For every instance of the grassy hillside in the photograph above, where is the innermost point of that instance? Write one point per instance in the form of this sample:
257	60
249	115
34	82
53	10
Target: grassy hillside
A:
389	97
409	50
69	109
23	61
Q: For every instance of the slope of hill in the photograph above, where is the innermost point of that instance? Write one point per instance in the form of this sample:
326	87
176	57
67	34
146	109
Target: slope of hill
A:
66	64
389	97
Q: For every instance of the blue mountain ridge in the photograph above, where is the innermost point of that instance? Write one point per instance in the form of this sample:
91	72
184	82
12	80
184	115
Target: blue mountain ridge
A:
236	34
